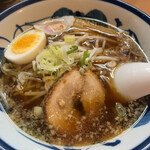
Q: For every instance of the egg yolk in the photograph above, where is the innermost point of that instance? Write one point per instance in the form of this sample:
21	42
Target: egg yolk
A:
25	43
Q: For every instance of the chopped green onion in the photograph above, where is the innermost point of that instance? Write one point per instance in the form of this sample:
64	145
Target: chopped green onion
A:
85	55
121	111
56	50
48	61
74	48
69	38
90	62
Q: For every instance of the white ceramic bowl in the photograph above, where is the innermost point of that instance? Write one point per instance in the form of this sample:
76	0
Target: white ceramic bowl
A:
19	17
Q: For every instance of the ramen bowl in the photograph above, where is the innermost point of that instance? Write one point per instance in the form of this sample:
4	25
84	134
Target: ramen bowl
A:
20	17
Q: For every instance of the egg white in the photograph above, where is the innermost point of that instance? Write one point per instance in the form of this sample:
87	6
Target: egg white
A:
28	56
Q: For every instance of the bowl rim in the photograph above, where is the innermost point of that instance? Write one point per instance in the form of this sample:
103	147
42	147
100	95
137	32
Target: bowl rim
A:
122	4
131	8
146	18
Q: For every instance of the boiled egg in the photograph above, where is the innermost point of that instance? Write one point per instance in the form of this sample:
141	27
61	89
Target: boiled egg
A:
25	47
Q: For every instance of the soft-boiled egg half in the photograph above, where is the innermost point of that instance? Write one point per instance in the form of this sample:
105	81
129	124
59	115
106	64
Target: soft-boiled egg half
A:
25	47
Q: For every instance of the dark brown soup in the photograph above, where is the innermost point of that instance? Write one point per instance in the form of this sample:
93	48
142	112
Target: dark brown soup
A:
64	96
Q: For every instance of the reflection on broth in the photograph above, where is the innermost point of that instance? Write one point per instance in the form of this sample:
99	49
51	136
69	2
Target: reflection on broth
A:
58	81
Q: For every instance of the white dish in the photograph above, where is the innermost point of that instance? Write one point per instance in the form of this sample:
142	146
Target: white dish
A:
19	17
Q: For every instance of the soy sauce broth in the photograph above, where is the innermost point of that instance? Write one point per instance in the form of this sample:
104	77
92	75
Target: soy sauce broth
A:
30	116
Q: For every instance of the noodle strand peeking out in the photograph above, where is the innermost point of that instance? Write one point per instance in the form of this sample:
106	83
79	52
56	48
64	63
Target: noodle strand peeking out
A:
57	78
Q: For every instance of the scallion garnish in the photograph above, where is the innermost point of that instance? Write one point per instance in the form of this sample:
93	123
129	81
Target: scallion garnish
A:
121	111
74	48
85	55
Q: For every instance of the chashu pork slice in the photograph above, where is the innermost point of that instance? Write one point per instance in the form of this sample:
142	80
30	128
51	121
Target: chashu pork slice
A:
71	91
93	94
59	106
